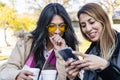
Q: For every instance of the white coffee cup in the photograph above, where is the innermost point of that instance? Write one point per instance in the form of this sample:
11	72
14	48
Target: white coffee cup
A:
35	72
48	75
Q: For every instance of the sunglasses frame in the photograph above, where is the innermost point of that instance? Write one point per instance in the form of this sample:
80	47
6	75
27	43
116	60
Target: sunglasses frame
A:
57	26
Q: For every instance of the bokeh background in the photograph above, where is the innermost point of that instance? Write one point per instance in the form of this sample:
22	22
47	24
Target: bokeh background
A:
22	15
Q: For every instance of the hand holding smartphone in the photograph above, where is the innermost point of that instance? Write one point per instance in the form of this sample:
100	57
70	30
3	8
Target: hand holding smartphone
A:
66	53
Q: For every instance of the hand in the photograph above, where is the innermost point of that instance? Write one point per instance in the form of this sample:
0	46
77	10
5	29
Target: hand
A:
58	42
71	71
92	62
24	75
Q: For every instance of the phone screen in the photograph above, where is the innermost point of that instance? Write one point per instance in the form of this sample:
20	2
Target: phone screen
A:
67	53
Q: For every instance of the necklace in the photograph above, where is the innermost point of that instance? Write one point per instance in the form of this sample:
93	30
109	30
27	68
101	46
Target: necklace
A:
47	53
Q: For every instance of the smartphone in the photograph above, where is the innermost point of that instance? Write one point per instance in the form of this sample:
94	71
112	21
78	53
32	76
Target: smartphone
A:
67	53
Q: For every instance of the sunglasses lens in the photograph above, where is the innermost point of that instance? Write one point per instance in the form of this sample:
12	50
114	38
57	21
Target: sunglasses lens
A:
52	28
62	28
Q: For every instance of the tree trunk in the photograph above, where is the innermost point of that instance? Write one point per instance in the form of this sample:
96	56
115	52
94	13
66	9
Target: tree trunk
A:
5	36
110	13
110	17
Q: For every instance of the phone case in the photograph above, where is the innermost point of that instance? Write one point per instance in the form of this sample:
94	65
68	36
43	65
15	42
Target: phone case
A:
67	53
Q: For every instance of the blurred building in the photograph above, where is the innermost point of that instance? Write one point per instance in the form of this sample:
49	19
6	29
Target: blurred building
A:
116	17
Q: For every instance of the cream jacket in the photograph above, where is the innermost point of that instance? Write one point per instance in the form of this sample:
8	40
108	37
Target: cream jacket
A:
16	61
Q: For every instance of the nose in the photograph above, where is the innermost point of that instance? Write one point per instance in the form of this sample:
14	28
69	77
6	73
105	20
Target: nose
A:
57	31
88	28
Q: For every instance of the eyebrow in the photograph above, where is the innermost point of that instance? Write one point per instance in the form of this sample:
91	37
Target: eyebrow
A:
87	20
59	23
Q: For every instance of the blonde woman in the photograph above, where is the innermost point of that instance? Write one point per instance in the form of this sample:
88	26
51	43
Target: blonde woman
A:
101	61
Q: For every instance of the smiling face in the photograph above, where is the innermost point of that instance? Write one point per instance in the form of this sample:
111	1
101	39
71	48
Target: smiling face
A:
90	27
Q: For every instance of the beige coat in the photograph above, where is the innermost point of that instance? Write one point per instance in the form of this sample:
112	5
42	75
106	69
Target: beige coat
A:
15	63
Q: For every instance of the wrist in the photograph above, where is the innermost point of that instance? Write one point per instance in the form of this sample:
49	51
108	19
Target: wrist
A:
74	78
103	67
106	64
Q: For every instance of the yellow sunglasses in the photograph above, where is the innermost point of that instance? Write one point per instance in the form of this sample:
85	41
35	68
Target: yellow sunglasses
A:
52	27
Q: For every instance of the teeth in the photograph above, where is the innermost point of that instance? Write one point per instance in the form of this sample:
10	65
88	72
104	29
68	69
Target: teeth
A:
92	34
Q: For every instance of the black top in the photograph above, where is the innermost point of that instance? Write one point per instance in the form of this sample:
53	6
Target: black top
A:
112	72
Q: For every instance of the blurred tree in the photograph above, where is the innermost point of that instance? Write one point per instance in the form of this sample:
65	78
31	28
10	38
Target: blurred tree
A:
23	22
38	5
6	16
10	19
110	6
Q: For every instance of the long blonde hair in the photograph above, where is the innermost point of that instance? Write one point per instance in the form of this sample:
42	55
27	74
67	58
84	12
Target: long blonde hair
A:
107	37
